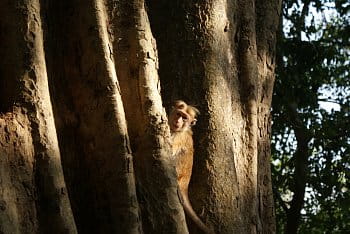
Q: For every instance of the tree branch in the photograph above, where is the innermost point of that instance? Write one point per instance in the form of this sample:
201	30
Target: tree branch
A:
301	21
329	100
300	157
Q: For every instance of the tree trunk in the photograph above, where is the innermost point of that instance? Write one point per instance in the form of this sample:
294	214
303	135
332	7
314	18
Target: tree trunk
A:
219	55
301	173
99	66
33	194
136	59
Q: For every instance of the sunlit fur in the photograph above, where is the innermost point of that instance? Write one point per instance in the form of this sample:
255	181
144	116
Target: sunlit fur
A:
182	117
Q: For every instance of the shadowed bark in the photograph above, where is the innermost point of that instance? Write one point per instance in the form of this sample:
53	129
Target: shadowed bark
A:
33	194
90	118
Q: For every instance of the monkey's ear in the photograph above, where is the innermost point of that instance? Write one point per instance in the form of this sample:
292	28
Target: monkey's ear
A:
194	121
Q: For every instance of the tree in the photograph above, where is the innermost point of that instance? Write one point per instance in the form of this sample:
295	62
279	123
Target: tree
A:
311	144
84	132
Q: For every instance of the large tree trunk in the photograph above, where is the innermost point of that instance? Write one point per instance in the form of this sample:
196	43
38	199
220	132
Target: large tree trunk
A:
136	59
100	65
33	194
220	55
90	118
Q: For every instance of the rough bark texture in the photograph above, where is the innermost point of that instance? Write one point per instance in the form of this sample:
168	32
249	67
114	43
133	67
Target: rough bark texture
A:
33	195
220	55
100	69
137	64
267	23
90	118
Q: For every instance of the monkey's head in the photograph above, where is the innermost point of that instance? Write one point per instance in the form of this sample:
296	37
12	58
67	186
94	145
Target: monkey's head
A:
182	116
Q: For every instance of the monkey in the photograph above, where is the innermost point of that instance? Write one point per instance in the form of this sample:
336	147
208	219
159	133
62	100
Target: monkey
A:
181	118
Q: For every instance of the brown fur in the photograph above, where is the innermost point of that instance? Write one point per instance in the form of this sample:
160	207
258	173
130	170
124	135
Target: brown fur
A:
182	145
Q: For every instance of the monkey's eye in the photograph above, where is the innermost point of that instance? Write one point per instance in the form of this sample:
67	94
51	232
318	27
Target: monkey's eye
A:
185	118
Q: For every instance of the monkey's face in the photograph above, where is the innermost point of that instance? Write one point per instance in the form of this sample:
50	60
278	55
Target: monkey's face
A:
179	121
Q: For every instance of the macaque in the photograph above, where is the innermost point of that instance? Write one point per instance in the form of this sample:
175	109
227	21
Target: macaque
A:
182	117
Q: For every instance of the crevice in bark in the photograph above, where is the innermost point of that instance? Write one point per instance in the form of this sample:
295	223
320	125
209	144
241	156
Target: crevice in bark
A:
8	89
9	54
249	86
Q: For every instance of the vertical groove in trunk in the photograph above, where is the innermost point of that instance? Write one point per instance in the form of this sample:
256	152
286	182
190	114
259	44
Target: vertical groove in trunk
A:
249	85
137	63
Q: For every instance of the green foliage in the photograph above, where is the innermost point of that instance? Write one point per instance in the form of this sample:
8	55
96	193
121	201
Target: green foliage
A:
313	60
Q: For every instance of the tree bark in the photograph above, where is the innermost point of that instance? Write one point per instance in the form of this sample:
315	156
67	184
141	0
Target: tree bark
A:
136	59
33	194
90	118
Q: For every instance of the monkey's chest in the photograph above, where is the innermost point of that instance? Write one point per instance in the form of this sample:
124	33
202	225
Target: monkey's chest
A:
182	146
